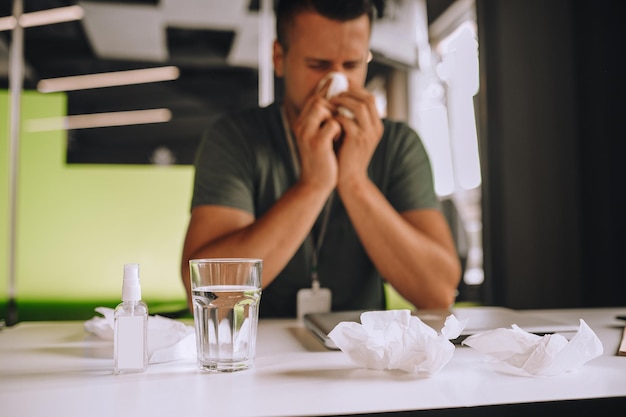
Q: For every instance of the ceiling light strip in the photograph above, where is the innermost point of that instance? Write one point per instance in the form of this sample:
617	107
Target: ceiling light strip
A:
51	16
43	17
7	23
108	79
86	121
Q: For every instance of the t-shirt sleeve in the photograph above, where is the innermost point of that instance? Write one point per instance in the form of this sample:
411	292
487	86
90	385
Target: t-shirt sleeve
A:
411	183
224	166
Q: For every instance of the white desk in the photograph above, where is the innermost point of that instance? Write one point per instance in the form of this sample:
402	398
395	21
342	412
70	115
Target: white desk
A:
56	368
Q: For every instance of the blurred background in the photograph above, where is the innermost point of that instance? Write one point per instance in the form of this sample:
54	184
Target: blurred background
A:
519	103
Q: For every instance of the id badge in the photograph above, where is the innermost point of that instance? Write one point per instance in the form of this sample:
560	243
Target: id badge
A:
313	300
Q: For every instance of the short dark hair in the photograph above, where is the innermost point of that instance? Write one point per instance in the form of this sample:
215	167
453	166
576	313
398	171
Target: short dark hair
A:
342	10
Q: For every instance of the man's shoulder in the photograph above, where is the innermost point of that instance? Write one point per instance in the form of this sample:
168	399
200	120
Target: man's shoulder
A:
251	116
397	132
253	127
396	127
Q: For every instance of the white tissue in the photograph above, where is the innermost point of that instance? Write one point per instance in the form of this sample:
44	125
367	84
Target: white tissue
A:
529	354
338	84
394	339
168	339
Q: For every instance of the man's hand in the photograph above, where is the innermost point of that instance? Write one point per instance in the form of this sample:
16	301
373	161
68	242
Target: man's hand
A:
316	130
361	134
337	146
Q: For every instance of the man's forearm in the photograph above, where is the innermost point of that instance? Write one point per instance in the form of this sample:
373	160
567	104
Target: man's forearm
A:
276	236
415	254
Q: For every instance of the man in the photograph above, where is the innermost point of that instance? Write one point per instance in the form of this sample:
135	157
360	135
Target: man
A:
264	177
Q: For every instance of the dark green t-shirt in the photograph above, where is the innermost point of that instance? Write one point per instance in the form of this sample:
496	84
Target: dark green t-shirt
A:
244	162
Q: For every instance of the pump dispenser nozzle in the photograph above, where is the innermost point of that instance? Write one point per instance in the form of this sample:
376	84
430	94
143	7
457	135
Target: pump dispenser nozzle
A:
131	288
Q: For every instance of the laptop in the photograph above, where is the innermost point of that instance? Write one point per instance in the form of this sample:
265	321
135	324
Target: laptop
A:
479	319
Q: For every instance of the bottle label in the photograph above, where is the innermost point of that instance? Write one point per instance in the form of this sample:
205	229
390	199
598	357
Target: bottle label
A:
129	342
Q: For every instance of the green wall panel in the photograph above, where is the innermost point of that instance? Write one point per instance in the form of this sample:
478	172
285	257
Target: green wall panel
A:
79	224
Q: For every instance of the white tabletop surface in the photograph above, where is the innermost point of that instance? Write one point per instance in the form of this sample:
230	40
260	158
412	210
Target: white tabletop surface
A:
56	368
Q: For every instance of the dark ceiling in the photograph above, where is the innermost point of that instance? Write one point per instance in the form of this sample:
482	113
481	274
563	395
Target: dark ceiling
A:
208	85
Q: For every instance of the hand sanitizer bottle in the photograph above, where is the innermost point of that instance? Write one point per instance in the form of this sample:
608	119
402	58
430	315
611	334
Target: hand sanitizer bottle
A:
130	340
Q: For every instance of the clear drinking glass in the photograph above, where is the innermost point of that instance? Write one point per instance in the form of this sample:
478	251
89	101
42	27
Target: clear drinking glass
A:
226	293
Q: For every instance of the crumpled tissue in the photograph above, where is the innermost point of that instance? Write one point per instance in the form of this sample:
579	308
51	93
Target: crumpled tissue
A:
394	339
338	83
168	340
529	354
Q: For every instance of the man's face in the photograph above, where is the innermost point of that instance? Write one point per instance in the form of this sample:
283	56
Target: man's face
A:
317	46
